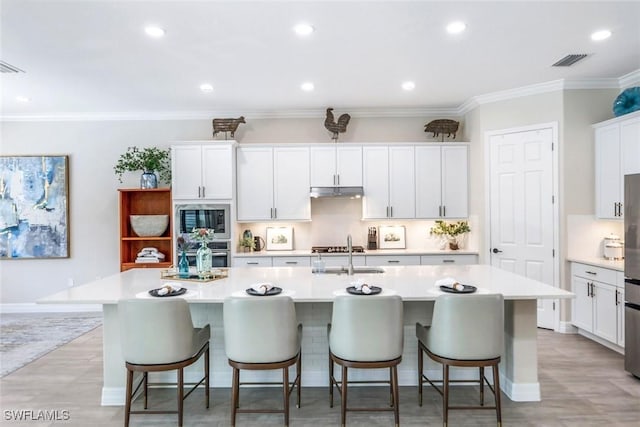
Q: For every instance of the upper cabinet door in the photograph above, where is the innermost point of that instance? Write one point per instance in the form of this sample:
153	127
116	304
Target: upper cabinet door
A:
349	166
323	166
255	183
428	182
630	146
291	183
375	163
217	172
401	182
186	171
455	182
608	174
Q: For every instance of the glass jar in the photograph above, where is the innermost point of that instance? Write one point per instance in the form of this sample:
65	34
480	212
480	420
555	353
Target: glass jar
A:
203	260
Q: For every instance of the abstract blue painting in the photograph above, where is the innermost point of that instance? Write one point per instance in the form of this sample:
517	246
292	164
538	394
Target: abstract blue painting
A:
34	201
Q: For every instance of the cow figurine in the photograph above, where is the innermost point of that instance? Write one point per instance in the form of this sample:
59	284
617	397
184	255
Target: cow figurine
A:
442	126
226	125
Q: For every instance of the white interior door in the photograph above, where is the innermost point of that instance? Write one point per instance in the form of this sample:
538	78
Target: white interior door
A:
521	208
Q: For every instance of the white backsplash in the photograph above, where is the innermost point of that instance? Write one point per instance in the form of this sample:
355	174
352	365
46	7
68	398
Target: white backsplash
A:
585	235
334	218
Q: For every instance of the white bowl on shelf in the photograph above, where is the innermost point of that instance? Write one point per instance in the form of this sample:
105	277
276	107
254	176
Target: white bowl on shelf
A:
149	225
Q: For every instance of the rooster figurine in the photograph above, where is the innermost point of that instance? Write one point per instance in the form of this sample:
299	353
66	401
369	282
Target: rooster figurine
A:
334	127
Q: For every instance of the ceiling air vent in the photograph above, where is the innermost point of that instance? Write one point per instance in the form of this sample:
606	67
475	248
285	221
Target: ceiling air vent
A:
570	59
8	68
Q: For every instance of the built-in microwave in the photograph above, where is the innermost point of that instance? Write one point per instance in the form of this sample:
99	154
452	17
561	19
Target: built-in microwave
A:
214	217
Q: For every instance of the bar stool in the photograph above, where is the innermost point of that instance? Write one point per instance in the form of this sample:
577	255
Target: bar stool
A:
262	333
465	331
365	333
158	335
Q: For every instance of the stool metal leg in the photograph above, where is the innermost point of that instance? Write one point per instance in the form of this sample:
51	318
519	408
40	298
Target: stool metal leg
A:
481	385
396	394
445	397
234	395
180	395
496	390
127	405
331	380
298	375
420	366
343	414
206	376
285	390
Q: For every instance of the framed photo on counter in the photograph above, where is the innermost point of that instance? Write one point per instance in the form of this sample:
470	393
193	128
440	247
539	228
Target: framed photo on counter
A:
279	238
392	237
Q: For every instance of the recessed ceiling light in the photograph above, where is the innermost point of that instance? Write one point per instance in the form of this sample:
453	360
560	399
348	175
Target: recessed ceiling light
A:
22	98
408	86
456	27
303	29
206	88
601	35
154	31
307	86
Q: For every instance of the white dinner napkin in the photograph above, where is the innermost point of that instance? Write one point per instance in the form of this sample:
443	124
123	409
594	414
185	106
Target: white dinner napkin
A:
262	288
359	285
450	282
169	287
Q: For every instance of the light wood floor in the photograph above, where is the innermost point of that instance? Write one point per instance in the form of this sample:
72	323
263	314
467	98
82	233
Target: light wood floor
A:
583	384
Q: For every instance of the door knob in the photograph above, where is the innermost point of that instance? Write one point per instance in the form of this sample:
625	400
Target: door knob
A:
496	250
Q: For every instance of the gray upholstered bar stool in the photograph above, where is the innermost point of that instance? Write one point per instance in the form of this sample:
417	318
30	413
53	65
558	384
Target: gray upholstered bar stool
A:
158	335
262	333
366	333
465	331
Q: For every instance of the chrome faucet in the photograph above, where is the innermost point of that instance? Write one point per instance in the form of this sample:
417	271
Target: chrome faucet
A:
350	251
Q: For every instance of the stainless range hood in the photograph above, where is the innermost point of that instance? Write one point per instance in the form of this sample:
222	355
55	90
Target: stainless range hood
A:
353	192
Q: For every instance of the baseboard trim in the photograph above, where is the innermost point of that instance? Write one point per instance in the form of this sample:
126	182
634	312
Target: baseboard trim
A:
567	328
520	392
113	396
601	341
48	308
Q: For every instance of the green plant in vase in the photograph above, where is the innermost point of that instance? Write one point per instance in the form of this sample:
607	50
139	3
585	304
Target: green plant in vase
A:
147	160
452	233
247	243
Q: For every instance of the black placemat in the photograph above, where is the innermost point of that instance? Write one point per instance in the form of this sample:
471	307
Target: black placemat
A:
154	292
374	290
468	289
273	291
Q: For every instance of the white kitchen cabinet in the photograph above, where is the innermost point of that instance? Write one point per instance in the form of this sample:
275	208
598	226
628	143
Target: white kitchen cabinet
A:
596	307
464	259
263	261
392	260
342	260
273	183
442	187
202	171
333	166
617	153
388	181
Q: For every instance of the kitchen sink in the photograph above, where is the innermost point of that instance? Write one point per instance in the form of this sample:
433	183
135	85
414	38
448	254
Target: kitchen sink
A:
356	270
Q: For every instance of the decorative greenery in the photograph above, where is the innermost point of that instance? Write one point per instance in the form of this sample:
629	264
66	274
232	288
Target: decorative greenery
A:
247	242
442	228
149	159
182	245
202	235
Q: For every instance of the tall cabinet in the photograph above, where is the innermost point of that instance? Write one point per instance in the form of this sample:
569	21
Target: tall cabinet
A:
138	201
617	153
202	171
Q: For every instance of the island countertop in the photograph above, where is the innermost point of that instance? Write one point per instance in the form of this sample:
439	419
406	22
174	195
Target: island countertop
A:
412	283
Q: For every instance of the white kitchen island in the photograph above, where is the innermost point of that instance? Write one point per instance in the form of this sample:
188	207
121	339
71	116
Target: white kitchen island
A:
313	294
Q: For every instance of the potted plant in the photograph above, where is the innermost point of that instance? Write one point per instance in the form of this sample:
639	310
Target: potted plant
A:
247	243
453	233
148	161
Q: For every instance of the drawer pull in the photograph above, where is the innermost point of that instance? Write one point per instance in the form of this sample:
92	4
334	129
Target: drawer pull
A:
591	272
291	262
252	263
393	261
448	260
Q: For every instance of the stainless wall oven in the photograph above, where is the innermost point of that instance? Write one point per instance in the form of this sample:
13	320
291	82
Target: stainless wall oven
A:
221	256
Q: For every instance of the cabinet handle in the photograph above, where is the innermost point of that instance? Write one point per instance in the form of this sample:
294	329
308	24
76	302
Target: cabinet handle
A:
617	291
393	261
391	211
440	210
334	179
275	212
591	272
593	290
338	175
252	263
444	211
387	211
448	260
199	192
620	209
203	196
291	262
271	213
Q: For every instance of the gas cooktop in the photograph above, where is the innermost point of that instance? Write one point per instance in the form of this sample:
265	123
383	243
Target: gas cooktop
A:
334	249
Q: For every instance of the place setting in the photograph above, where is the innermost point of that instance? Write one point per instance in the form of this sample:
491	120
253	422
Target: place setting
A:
263	289
453	286
167	290
361	287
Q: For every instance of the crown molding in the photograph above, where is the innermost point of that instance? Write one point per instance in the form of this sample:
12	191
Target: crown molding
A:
629	80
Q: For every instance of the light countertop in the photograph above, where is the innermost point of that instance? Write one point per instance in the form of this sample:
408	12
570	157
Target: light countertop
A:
367	252
599	262
412	283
